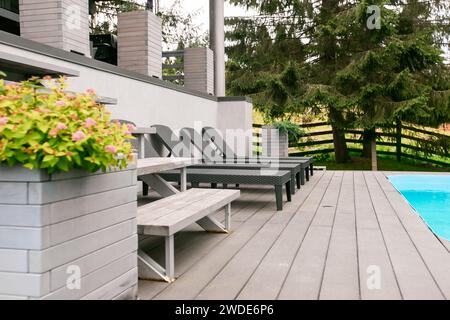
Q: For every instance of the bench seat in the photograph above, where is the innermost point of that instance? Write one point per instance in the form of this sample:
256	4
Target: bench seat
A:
170	215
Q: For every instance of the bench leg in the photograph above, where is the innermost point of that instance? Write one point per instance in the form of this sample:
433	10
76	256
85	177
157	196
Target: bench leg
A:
170	257
195	184
183	179
159	185
211	225
279	197
288	190
167	274
302	177
297	179
312	169
292	183
228	217
144	189
307	174
225	186
213	185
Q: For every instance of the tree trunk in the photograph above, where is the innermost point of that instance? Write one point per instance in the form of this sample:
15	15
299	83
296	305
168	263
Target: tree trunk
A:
374	160
340	145
368	137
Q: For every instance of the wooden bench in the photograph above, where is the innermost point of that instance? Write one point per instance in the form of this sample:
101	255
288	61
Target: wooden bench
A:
169	215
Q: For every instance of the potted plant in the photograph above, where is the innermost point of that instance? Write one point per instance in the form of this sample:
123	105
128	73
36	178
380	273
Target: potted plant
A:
277	137
67	196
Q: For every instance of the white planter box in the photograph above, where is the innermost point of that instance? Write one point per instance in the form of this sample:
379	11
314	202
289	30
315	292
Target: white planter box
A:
51	225
139	40
274	143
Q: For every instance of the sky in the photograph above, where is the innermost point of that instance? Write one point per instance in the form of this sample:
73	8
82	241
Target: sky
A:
202	19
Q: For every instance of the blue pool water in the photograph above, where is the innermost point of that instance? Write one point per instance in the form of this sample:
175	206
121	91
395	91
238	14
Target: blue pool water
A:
430	197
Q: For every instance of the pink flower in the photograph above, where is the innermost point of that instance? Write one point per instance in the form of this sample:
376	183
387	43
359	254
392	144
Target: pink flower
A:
53	133
43	110
78	136
3	121
89	123
60	103
130	128
90	91
111	149
61	126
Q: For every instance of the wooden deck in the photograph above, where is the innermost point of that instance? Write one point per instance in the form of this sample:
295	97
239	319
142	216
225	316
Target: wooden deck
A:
345	235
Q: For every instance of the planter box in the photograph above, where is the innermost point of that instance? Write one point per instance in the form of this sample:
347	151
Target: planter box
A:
139	40
274	143
68	235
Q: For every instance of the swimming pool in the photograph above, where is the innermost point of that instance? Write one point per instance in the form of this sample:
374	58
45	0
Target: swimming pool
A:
429	195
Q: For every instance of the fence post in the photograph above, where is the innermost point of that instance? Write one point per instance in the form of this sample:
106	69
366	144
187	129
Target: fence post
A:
398	140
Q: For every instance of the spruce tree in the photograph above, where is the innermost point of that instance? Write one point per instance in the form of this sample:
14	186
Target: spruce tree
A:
342	59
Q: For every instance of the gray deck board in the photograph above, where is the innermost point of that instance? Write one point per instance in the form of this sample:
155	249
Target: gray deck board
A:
305	277
276	264
435	256
372	249
323	245
341	279
414	278
243	265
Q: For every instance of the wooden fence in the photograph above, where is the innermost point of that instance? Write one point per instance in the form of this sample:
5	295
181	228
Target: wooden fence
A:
399	141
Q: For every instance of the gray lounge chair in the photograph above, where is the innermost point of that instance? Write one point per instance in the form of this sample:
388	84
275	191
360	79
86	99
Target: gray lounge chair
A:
237	176
297	169
190	141
232	174
213	136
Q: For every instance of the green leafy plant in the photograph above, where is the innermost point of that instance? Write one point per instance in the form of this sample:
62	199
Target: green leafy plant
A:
51	129
293	130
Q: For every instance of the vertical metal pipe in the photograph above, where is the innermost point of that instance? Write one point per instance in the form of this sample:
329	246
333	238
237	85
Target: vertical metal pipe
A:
217	43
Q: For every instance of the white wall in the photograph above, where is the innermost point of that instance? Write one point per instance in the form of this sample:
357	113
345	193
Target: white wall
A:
146	103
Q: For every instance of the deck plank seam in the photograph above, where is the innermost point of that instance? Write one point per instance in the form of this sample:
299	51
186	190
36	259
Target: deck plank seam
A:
384	240
294	213
356	238
237	252
304	236
330	237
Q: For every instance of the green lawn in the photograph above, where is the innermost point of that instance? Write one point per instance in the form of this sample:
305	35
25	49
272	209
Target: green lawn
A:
384	164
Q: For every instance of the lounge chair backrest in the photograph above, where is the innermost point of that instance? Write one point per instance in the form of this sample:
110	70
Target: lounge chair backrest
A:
212	135
193	140
202	146
178	147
